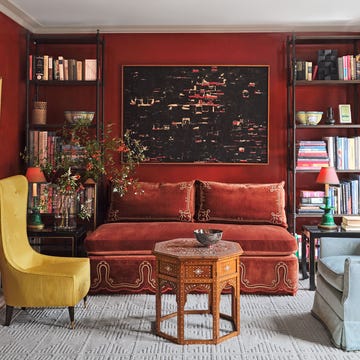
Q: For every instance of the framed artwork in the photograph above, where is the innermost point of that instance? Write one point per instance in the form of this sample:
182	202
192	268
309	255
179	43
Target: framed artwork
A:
198	114
345	113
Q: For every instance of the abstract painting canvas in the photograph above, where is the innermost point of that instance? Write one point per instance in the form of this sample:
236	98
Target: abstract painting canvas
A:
198	114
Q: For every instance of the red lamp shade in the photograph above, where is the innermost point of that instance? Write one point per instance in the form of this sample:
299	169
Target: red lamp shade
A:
327	175
35	175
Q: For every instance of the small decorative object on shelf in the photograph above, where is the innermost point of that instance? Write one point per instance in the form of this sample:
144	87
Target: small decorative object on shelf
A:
35	176
39	112
345	113
330	116
327	176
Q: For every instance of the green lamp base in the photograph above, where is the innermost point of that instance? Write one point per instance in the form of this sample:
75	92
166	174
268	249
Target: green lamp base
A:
35	222
327	220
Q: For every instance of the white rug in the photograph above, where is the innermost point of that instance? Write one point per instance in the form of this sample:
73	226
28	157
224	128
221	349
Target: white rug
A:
121	327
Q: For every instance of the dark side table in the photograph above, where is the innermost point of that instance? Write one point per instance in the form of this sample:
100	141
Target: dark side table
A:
309	234
58	242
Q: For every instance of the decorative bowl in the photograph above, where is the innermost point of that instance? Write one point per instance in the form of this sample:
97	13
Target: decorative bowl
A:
208	237
301	117
313	117
79	117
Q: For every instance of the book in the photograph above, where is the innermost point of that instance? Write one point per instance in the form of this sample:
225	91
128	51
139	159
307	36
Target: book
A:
46	67
312	193
90	72
300	70
308	70
311	200
51	69
61	68
314	74
71	69
66	69
351	220
310	211
79	70
350	228
39	67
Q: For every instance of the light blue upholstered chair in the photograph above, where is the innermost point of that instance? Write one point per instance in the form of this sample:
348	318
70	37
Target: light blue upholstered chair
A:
337	296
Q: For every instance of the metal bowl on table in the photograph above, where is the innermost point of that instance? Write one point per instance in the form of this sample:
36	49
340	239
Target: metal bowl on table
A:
208	237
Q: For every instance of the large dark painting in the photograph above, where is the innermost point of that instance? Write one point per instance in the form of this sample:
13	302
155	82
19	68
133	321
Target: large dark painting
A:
198	114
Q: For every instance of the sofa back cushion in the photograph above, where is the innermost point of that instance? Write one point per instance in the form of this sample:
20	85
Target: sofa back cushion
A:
155	202
241	203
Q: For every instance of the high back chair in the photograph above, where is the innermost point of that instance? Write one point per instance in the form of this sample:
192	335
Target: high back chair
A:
337	296
31	279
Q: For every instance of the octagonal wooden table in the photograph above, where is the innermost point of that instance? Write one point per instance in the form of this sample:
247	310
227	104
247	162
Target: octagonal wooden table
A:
185	266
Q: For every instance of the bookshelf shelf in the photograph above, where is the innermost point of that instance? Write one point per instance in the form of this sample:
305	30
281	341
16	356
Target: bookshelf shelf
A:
320	95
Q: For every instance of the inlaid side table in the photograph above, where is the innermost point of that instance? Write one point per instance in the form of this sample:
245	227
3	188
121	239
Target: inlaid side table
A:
184	265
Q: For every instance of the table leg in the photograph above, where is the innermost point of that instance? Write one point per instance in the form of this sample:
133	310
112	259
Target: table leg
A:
158	304
304	239
180	299
215	311
312	263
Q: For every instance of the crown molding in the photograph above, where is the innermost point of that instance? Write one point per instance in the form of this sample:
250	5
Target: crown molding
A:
34	26
18	16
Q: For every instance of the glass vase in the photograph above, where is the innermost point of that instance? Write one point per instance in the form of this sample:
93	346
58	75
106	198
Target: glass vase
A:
65	211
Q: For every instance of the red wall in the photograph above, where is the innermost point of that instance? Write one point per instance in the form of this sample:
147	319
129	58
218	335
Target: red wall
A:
205	49
156	49
12	117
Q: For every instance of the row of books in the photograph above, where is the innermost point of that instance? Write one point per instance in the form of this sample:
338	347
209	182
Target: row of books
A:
46	67
344	152
347	67
43	146
47	146
345	198
311	155
49	199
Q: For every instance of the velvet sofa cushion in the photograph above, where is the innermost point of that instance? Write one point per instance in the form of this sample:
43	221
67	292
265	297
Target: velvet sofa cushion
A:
241	203
154	202
118	238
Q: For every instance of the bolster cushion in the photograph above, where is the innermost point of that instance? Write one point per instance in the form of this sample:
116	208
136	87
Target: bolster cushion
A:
154	202
241	203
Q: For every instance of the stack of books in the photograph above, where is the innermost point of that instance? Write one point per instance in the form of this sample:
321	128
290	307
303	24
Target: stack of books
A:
311	202
351	223
312	155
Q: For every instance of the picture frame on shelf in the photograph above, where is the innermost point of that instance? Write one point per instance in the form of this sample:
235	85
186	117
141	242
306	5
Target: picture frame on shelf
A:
203	114
345	113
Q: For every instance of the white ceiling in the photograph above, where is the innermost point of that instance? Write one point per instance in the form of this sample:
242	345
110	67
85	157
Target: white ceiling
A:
115	16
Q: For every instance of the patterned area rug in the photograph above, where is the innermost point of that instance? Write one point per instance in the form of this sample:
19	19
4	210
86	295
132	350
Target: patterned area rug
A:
121	327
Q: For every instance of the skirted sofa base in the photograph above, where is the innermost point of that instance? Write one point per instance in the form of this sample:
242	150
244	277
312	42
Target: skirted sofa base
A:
122	262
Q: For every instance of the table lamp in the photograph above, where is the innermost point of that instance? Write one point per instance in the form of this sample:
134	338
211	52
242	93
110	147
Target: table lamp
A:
35	176
327	176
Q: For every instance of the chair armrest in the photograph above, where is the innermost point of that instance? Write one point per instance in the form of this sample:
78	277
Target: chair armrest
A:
331	246
351	293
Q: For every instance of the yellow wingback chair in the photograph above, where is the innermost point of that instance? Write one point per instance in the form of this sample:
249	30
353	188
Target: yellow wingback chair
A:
31	279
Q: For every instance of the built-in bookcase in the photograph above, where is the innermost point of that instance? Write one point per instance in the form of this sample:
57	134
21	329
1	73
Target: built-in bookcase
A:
64	72
324	90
